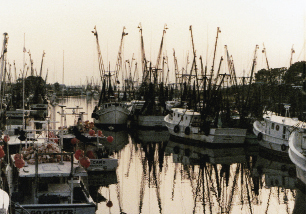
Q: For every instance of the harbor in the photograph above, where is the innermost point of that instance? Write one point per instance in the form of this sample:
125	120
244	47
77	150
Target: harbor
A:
156	174
152	108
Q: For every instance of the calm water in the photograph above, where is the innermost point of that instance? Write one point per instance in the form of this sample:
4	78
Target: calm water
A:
156	175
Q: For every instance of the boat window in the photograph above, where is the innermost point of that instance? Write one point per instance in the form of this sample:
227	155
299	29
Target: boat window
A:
277	127
284	132
182	118
178	115
173	114
272	126
186	118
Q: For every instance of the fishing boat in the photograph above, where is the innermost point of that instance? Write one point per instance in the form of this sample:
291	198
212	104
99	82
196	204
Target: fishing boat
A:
41	177
185	124
110	111
93	146
43	187
88	141
140	118
297	148
274	130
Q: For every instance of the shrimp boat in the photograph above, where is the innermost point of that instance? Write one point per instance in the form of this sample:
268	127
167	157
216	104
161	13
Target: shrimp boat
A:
273	131
41	178
110	111
82	136
297	153
51	186
93	146
185	124
113	113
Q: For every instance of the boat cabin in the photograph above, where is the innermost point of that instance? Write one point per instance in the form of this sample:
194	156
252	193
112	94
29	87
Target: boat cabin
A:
50	186
185	117
280	127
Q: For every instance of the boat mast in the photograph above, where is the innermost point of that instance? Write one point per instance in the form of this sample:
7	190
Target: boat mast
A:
3	63
265	52
100	60
292	52
213	65
159	56
42	59
145	77
23	80
63	76
119	58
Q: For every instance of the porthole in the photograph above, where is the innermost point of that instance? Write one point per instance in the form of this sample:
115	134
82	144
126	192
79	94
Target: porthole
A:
277	127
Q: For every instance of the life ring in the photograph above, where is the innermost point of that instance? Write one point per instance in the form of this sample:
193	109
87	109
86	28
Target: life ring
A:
176	129
283	147
187	130
259	136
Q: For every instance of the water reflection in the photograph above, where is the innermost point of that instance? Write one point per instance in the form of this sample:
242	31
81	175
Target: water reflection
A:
157	175
300	199
276	179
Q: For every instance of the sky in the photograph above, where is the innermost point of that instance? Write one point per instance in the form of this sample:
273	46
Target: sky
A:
62	29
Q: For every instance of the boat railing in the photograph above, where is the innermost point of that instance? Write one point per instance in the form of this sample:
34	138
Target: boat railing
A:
195	124
61	163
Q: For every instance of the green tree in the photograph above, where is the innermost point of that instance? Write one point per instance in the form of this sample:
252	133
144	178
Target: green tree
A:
57	87
294	75
272	76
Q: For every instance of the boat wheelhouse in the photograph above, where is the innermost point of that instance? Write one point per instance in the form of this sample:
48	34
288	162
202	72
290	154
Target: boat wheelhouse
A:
273	132
50	186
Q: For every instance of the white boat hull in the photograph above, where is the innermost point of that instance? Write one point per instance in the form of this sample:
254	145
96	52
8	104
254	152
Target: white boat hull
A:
151	121
112	115
215	136
270	140
54	208
297	148
4	202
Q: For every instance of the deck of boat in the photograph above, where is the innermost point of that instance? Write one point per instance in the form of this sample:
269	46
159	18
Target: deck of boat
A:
59	169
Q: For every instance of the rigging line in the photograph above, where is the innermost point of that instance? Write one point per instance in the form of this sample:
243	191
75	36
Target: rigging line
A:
208	192
197	190
287	205
248	192
233	188
174	178
268	200
203	189
118	196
